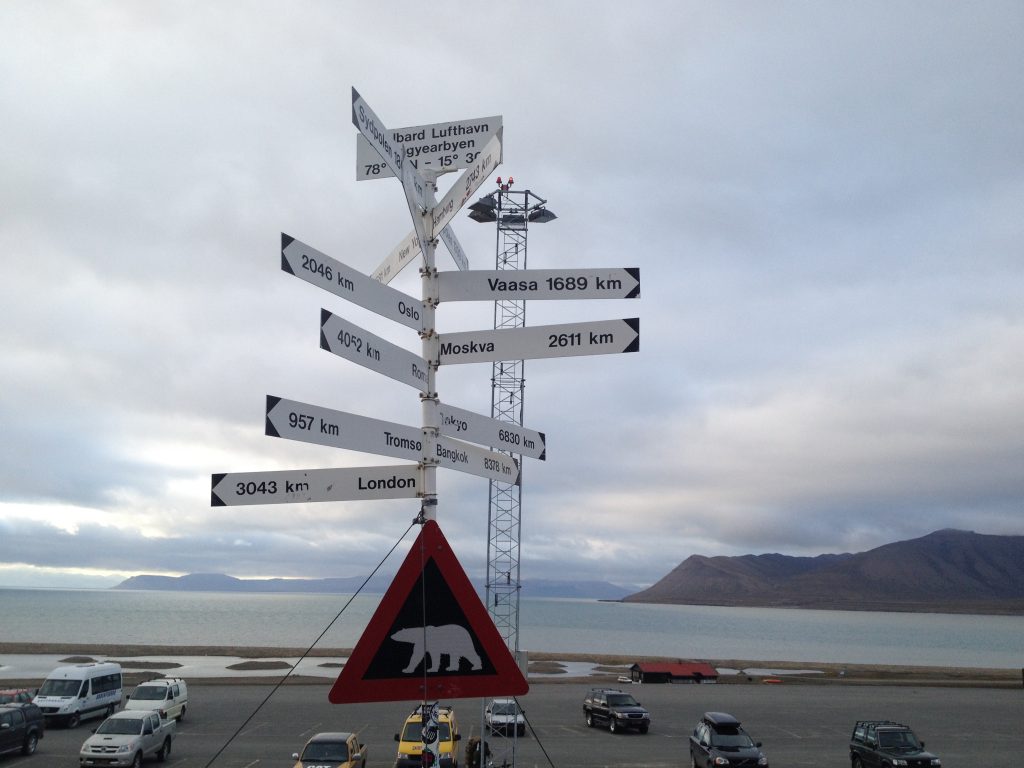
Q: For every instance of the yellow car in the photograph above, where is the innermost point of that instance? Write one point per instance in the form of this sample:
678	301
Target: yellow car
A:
332	750
410	740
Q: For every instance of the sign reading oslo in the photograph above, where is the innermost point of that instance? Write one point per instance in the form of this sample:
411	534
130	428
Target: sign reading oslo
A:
444	647
317	268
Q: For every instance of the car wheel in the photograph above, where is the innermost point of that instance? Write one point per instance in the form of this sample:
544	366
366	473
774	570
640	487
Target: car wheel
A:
612	726
590	720
181	715
165	751
137	761
110	710
30	744
74	720
857	763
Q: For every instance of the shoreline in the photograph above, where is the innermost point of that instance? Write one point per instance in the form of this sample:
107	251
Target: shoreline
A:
545	667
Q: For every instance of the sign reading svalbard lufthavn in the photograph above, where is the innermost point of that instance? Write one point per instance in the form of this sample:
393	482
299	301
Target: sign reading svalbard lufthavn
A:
438	147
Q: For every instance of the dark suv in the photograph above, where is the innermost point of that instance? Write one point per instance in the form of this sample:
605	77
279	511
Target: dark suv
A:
616	709
719	740
21	728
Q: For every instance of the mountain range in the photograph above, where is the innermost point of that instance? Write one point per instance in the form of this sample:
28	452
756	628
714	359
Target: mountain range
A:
948	571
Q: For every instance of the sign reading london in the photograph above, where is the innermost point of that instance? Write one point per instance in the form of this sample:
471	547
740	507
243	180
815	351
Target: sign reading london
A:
292	486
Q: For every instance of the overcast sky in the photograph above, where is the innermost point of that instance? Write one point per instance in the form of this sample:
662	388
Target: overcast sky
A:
825	201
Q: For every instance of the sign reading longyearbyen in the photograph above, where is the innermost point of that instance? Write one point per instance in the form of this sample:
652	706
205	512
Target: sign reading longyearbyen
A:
444	647
439	147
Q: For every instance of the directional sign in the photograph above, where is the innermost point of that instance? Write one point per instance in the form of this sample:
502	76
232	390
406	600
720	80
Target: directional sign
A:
348	340
455	248
470	458
464	187
315	267
307	485
602	337
430	637
439	147
314	424
497	285
466	425
398	259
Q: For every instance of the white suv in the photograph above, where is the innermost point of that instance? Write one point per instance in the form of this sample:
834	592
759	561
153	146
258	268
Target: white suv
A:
503	716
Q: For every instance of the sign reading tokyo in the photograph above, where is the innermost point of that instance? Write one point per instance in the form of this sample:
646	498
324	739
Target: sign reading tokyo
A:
438	147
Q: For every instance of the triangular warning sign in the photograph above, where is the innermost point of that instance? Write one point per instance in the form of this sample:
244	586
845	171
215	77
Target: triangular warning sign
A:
430	637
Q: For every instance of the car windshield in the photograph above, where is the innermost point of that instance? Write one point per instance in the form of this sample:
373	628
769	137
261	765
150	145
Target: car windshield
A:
121	725
149	693
731	738
898	740
621	700
60	688
330	751
503	708
413	732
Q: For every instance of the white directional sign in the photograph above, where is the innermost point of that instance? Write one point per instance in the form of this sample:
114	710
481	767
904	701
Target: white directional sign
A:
322	426
315	267
455	248
467	457
337	429
466	425
439	147
307	485
496	285
377	134
464	187
398	259
601	337
348	340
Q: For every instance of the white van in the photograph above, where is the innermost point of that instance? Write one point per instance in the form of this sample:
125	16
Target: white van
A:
168	696
80	691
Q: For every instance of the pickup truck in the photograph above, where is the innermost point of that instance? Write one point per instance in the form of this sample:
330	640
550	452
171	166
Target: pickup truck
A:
885	744
126	737
21	728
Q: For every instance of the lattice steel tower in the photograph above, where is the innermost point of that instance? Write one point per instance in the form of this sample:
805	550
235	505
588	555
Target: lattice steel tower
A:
514	211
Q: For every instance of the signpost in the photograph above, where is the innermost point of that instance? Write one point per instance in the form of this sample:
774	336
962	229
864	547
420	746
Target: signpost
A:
307	485
601	337
400	654
498	285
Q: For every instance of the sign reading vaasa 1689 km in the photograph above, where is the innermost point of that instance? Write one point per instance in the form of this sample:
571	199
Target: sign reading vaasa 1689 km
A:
497	285
307	485
601	337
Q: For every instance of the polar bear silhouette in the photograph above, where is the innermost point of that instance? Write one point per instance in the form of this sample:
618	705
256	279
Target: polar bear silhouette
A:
451	640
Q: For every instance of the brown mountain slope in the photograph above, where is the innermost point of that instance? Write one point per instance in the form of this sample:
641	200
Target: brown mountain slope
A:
945	571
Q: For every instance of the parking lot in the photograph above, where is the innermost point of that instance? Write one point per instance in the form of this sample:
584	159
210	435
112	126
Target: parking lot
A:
799	725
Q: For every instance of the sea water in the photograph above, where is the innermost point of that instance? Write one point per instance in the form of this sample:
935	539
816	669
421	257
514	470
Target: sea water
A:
549	625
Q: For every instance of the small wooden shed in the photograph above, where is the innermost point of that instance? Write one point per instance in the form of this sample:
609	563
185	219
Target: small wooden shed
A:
673	672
